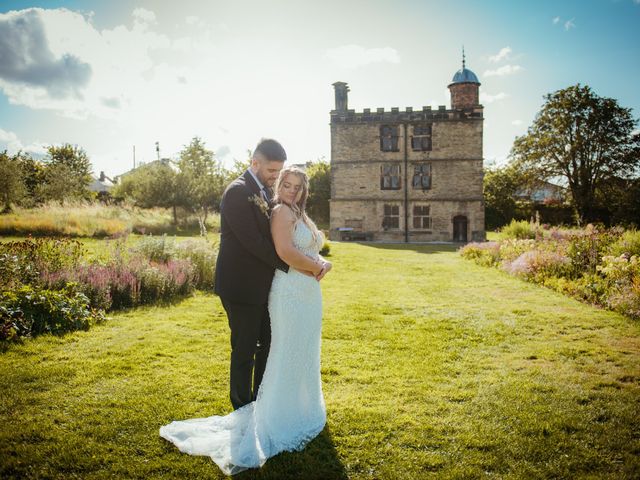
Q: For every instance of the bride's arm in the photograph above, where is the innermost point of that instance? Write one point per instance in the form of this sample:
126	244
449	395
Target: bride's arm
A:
326	267
282	220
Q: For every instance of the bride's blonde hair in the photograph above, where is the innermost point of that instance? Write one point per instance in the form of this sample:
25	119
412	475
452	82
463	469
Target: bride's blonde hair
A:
300	204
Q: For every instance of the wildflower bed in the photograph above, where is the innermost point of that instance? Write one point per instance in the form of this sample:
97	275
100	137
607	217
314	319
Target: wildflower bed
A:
52	285
597	265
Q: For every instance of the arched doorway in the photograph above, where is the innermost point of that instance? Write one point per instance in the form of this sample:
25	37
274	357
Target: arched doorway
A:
460	228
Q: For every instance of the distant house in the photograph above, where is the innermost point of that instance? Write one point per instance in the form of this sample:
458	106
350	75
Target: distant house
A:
162	161
542	192
101	184
301	166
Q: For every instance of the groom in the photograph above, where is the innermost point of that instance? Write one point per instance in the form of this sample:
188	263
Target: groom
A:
246	262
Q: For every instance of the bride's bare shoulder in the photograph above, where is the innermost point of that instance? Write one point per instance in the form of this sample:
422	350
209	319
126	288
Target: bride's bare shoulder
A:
282	211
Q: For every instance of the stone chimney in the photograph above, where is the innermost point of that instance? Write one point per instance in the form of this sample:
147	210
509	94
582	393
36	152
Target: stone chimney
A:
342	101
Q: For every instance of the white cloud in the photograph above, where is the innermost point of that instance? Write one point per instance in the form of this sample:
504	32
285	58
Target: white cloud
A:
555	20
504	70
195	21
488	98
9	141
516	122
119	62
569	24
501	55
30	61
143	15
354	56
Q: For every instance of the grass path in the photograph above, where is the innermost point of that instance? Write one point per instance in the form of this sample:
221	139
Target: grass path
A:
433	367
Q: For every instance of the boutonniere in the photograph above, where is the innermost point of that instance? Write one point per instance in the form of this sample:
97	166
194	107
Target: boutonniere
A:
260	202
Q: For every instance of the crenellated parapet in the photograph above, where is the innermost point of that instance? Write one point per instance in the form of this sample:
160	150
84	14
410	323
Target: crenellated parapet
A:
395	115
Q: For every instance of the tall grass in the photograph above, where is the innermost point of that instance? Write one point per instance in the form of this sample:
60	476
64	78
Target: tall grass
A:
97	220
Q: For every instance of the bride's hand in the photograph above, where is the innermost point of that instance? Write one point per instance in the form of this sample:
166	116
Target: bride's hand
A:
325	269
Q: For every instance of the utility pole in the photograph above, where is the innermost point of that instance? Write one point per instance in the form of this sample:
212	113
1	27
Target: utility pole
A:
158	150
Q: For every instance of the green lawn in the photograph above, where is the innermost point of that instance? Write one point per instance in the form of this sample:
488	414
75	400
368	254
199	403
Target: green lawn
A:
433	367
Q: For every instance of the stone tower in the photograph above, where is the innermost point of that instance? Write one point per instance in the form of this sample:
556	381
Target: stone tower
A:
411	175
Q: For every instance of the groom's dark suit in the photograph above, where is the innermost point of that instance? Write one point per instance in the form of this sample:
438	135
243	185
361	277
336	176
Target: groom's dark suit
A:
246	263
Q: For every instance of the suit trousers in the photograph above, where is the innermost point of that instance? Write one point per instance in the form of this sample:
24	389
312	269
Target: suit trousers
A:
250	341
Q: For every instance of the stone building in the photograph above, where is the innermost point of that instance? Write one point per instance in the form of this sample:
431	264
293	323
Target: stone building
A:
411	175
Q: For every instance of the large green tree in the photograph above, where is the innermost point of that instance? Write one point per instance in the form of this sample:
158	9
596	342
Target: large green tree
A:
585	140
201	180
12	187
150	185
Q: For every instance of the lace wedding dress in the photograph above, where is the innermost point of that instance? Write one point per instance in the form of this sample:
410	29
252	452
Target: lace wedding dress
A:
289	410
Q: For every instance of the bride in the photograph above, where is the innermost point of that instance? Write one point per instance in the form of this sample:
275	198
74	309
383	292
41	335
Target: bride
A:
289	410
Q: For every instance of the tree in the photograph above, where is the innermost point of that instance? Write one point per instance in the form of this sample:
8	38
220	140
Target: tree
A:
238	168
34	176
500	186
69	170
584	139
12	188
150	185
319	174
621	197
57	182
201	179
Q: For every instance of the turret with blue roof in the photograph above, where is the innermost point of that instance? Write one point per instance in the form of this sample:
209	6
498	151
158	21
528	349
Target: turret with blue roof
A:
464	88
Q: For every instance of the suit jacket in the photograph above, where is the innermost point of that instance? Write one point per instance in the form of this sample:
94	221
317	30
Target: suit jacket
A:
247	258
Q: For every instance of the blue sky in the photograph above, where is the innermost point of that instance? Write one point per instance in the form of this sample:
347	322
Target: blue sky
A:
110	75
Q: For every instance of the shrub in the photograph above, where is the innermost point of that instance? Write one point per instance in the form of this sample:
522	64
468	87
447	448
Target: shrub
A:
587	246
623	281
161	282
156	249
511	249
93	280
626	299
325	251
13	272
31	311
180	277
486	253
518	229
628	243
203	258
537	264
22	262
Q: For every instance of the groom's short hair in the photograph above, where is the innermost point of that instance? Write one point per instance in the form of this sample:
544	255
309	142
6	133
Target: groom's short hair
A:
271	150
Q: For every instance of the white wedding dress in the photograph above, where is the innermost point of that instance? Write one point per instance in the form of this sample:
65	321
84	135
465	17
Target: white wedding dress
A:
289	410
